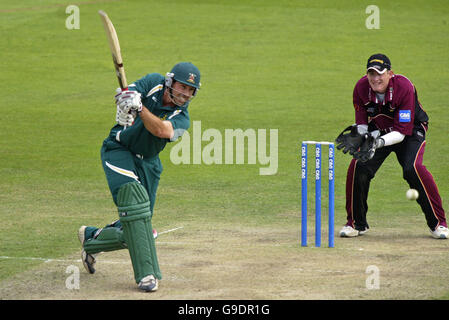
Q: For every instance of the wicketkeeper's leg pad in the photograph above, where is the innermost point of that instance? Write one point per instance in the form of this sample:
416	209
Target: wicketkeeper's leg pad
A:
135	215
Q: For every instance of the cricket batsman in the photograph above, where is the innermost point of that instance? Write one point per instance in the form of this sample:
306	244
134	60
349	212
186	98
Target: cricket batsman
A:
388	118
150	112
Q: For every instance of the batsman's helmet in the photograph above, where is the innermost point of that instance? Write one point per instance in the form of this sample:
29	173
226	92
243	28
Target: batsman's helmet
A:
184	72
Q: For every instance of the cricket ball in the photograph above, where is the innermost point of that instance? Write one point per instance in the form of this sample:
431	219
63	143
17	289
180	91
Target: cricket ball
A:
412	194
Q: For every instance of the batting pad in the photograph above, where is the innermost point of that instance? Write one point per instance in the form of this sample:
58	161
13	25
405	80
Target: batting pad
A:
109	239
135	215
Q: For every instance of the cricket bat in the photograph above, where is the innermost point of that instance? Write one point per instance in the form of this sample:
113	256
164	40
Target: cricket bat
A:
115	49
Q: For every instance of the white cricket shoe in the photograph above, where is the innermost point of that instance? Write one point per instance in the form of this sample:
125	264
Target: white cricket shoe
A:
350	232
148	284
440	232
87	259
361	232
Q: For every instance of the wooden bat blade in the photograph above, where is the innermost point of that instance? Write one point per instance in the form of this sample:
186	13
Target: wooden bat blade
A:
114	45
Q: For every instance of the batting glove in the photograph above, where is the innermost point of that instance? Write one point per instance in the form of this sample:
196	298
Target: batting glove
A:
129	101
124	118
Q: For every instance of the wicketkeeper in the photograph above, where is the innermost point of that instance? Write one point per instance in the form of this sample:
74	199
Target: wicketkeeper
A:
388	118
150	113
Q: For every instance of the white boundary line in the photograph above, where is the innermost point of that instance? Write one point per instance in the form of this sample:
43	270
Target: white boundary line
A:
46	260
40	259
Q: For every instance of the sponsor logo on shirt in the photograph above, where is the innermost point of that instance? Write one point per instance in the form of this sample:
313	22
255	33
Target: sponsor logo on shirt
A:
405	116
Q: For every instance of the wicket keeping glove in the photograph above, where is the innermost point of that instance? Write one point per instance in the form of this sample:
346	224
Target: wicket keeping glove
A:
368	147
349	140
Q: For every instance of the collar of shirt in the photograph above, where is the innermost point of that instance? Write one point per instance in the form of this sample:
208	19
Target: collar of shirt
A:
388	94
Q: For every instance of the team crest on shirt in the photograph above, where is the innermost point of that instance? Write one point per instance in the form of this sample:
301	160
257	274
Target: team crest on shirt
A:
191	78
405	116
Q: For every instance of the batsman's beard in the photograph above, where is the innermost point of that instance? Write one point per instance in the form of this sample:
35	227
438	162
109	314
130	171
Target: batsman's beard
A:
178	98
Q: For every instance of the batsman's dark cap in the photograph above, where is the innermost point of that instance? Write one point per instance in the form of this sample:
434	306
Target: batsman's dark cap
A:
378	62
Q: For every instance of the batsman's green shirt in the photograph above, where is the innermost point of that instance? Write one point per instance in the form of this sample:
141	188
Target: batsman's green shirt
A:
137	138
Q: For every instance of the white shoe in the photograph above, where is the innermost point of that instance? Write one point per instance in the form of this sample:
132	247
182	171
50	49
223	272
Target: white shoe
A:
440	233
87	259
148	284
350	232
361	232
155	234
